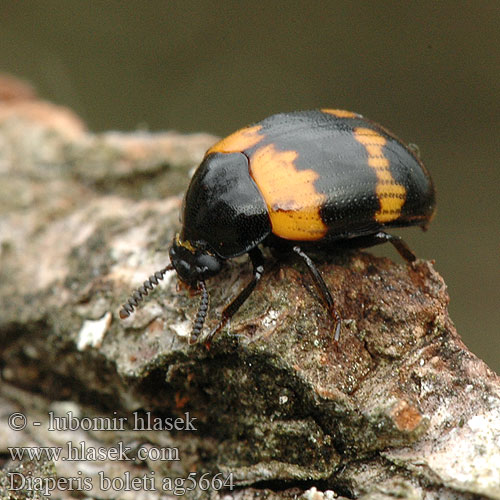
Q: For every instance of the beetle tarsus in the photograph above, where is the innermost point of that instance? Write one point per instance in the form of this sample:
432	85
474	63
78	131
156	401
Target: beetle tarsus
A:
209	337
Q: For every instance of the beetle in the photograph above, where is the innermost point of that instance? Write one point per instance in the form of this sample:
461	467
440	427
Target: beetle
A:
300	181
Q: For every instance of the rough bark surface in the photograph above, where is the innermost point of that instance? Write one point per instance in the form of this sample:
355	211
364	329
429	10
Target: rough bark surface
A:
399	408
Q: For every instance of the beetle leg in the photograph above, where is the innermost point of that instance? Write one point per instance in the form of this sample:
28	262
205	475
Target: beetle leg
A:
371	240
258	270
398	243
322	288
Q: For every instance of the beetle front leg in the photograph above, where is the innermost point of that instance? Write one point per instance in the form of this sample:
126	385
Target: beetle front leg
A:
258	270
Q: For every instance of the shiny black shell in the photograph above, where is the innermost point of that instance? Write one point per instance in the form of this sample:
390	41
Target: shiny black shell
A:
313	176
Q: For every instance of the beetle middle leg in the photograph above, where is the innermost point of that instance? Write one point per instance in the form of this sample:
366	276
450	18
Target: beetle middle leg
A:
258	270
322	288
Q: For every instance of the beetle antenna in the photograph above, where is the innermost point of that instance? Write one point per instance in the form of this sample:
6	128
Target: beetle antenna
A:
141	292
201	315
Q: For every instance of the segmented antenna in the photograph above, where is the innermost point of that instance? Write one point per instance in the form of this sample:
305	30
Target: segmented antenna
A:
141	292
201	315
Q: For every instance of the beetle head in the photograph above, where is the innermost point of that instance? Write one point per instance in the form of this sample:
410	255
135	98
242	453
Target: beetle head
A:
193	264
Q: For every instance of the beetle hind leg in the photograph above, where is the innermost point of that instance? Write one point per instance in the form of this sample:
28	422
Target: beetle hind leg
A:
322	289
371	240
397	242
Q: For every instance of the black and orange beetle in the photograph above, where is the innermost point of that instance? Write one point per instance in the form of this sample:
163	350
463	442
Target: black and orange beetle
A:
301	181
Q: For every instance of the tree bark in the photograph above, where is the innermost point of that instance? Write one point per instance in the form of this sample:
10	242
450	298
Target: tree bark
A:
398	408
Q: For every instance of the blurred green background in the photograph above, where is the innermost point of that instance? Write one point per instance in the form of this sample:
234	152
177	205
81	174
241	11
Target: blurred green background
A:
428	70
